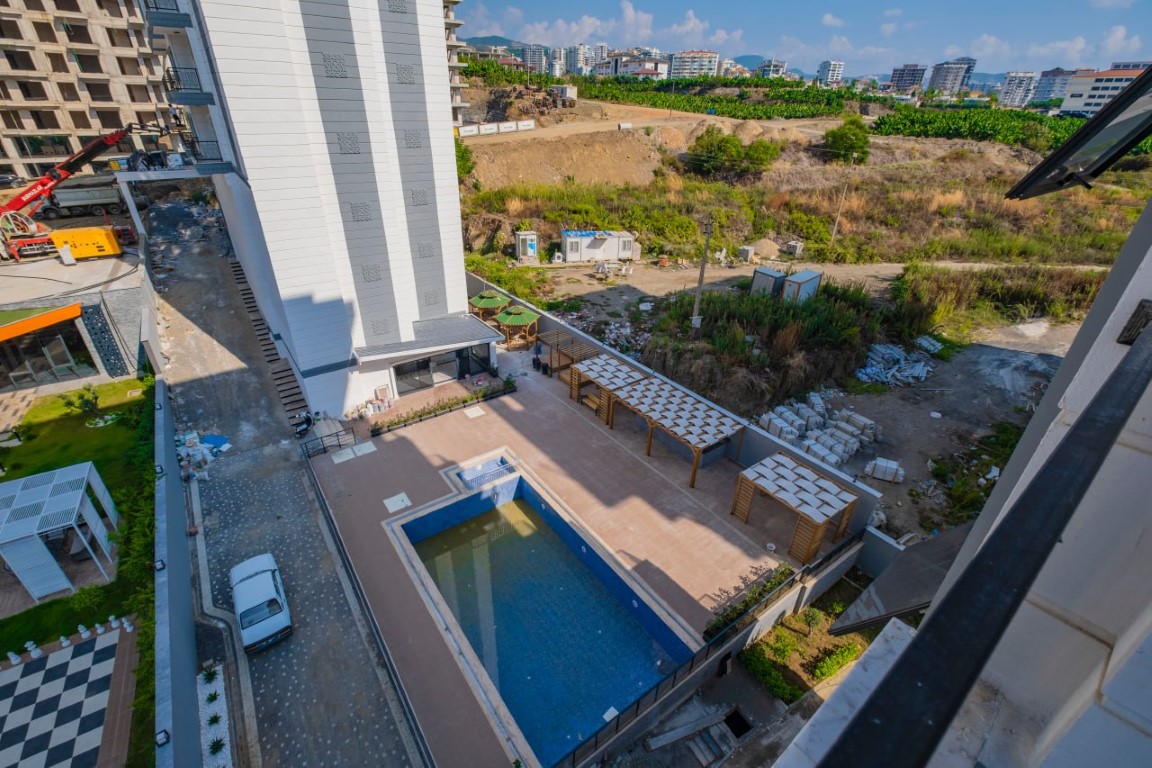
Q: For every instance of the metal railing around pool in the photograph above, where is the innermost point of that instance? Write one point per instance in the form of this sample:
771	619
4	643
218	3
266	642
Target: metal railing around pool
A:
472	483
723	642
332	442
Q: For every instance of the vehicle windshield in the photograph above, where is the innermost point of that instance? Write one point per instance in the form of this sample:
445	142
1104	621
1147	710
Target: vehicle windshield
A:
258	613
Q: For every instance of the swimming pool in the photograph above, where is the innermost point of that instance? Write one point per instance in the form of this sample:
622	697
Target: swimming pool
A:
562	636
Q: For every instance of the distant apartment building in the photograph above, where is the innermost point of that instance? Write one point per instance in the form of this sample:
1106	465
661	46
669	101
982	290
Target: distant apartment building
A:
455	77
1053	83
771	68
1131	64
694	64
908	77
600	52
951	77
1018	89
830	72
729	68
578	59
557	62
626	65
75	69
535	58
1089	92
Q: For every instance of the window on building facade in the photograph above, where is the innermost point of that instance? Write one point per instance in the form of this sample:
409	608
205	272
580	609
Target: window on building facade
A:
87	62
34	5
20	60
44	119
99	91
119	38
57	62
45	32
32	91
128	66
138	94
80	119
10	30
68	92
77	33
68	6
11	119
109	118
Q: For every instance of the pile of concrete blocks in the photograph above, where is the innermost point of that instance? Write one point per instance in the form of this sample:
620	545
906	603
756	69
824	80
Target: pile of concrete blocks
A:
928	344
869	431
885	469
831	437
890	365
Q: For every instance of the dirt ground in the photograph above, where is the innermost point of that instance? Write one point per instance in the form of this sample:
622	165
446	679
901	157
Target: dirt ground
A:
999	377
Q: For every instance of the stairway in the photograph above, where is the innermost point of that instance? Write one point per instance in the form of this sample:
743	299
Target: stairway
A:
287	387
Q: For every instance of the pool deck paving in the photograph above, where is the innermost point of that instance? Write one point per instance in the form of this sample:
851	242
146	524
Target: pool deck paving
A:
681	543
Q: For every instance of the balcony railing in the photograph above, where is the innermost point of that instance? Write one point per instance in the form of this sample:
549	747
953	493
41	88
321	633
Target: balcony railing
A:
181	79
205	151
162	5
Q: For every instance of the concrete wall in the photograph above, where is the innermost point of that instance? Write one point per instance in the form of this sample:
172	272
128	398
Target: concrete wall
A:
878	553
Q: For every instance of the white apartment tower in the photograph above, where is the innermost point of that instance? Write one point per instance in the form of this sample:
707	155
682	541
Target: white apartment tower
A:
694	64
600	52
74	70
771	68
1018	89
830	72
578	59
1088	92
535	58
341	197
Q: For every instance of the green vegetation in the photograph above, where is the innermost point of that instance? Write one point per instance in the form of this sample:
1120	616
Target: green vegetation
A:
498	387
122	452
753	594
719	156
1026	129
493	75
756	659
958	300
464	162
968	477
849	142
834	661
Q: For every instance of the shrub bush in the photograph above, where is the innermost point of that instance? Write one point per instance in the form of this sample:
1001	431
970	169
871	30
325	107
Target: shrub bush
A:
834	661
756	660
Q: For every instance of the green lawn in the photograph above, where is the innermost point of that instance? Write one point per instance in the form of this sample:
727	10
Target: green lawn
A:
122	451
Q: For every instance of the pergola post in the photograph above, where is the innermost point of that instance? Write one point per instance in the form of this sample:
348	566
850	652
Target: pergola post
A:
742	503
695	466
651	427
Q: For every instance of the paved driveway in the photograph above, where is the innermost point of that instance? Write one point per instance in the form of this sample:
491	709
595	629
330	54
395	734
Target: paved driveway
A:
321	697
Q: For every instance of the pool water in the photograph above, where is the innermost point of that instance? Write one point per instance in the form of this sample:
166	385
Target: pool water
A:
559	645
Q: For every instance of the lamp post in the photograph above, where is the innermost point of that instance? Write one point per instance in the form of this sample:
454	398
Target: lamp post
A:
843	194
696	319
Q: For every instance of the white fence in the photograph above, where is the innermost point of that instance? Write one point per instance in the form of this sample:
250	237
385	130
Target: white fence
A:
487	129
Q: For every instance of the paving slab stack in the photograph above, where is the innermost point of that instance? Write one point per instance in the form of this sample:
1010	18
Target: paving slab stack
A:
833	439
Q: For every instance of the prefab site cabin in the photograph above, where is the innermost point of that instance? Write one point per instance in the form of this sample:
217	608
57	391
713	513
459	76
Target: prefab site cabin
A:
587	245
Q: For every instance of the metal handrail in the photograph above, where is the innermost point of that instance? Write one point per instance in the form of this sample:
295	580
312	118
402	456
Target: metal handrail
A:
331	442
162	5
181	79
908	713
205	150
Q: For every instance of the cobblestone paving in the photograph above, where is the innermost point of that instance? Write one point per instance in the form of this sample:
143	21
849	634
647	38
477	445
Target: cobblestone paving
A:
319	697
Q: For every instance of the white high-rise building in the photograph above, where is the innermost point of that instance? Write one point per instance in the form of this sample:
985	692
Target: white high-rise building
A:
341	194
771	68
535	58
600	52
830	72
557	62
1089	92
578	59
694	64
1053	83
1018	89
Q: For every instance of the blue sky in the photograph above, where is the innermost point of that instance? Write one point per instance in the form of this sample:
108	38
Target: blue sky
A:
870	38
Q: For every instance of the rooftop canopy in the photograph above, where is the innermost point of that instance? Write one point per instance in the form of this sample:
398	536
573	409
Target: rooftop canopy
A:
517	316
489	300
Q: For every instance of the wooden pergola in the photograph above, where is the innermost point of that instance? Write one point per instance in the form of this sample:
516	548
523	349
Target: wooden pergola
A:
519	325
606	372
683	416
488	304
554	340
815	499
568	356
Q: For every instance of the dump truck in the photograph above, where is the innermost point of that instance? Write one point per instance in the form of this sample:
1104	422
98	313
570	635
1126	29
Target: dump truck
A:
84	196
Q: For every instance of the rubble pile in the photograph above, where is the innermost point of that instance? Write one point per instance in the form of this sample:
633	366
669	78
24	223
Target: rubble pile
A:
890	365
196	452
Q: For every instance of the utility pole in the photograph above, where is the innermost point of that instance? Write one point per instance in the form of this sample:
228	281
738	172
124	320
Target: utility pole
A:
843	194
696	319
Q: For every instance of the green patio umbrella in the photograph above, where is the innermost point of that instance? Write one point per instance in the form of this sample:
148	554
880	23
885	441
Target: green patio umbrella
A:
517	316
489	300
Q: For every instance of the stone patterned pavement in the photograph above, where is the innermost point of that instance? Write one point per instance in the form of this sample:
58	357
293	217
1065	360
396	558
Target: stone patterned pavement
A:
320	697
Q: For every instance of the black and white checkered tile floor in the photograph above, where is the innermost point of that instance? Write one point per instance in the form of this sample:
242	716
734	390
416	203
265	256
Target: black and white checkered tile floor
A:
52	708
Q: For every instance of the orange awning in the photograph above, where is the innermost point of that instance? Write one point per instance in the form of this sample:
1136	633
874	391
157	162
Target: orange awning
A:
16	323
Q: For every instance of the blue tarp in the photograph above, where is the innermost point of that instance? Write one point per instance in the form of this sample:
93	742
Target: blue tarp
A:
216	441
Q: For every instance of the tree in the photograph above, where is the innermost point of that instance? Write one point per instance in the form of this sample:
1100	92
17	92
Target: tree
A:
84	400
849	142
464	162
716	155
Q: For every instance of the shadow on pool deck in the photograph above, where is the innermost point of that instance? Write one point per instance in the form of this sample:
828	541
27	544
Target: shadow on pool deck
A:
681	542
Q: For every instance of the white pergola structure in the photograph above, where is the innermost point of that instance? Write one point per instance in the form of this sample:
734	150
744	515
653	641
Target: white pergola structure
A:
34	507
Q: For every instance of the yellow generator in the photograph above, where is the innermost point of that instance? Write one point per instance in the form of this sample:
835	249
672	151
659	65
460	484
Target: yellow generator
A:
87	242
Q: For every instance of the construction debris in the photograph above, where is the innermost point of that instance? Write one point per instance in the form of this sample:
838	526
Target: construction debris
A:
928	344
196	451
885	469
832	438
890	365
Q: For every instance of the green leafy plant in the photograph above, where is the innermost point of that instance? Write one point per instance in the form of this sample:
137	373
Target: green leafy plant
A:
214	718
209	675
812	617
849	142
85	400
833	662
782	644
216	746
212	697
753	595
465	164
756	659
717	155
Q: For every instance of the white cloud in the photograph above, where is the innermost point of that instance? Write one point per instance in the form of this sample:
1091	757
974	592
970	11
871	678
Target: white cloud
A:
634	24
721	37
894	12
691	27
889	28
953	51
561	32
839	45
1118	42
1070	53
990	47
1110	3
829	20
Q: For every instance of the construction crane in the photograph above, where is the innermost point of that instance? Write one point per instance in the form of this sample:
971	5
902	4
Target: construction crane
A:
25	238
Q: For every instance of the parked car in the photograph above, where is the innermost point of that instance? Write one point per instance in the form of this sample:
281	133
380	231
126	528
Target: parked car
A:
12	181
260	604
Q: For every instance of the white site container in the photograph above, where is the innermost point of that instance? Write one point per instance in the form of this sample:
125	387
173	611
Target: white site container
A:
801	286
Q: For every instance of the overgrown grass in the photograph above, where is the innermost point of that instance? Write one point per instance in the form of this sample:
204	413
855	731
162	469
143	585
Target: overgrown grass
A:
122	453
965	477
